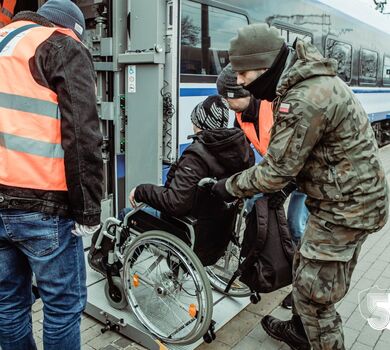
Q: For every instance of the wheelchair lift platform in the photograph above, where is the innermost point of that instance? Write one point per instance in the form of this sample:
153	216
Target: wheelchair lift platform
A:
125	323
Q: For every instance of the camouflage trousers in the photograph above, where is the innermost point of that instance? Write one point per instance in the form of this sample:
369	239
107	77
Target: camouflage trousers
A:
321	279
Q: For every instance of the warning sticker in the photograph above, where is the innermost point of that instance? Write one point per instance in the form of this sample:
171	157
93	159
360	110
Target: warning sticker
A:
131	79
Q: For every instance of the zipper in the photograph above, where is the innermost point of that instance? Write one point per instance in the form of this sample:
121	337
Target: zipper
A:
334	173
275	104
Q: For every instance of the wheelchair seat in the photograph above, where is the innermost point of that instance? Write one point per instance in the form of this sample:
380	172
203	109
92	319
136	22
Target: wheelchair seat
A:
181	227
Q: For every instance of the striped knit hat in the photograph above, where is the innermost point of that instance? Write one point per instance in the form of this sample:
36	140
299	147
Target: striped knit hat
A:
212	113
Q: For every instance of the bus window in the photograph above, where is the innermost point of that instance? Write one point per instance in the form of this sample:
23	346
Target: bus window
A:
368	66
205	35
342	53
386	70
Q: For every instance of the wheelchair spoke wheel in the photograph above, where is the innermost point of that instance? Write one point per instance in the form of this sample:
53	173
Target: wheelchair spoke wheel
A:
167	287
220	274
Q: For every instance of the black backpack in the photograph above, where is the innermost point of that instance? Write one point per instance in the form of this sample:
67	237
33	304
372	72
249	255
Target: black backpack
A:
267	248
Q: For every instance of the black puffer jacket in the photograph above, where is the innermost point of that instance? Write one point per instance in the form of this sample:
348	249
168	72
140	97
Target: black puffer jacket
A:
213	153
65	66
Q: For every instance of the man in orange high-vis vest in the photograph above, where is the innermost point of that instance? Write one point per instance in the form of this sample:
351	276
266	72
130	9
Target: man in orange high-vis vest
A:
255	118
51	173
7	8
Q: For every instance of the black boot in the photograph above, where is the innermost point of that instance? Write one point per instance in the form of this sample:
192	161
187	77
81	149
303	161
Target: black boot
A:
97	258
290	332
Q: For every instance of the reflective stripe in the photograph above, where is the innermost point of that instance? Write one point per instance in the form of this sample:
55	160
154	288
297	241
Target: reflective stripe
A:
9	5
4	41
6	12
30	146
29	105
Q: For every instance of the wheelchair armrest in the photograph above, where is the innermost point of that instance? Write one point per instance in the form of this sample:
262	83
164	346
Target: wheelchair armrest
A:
188	219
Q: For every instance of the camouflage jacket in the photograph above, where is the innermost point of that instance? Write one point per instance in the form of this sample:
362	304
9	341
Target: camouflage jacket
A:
321	137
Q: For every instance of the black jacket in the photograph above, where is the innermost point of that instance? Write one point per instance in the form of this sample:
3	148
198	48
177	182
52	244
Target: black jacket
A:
214	153
65	66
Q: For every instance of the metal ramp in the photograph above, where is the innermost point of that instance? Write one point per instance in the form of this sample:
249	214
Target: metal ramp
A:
225	308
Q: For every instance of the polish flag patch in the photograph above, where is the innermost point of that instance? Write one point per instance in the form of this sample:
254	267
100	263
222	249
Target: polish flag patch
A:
284	108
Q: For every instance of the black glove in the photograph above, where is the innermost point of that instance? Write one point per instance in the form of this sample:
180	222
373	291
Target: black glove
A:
277	199
219	190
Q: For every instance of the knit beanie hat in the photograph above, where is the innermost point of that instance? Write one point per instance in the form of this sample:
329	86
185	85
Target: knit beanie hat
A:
64	13
227	84
212	113
255	47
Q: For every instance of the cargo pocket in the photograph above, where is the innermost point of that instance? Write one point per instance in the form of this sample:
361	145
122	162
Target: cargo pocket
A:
324	276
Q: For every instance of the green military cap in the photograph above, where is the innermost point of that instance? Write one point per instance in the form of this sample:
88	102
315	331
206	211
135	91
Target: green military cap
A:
255	47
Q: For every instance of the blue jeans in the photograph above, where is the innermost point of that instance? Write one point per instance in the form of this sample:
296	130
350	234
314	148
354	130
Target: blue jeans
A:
42	244
297	215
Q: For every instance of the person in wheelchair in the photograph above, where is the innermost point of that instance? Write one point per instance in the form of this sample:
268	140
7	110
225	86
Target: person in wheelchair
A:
216	151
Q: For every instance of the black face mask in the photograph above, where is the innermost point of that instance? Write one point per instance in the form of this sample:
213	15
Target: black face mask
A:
264	87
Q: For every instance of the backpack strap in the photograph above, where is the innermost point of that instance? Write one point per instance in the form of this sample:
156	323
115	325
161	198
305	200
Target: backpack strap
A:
285	235
14	33
231	281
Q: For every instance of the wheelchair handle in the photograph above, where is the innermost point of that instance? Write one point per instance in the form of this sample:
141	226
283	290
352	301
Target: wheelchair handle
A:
207	182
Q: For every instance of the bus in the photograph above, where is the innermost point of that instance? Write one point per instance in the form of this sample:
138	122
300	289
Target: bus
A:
361	49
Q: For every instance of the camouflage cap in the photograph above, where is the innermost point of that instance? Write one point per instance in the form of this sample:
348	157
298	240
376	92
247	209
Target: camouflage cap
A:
255	47
227	84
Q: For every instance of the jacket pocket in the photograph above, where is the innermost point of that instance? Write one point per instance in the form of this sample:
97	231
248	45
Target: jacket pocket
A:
289	146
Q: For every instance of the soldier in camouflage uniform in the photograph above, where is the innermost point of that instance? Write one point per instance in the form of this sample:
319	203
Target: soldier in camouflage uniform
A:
323	139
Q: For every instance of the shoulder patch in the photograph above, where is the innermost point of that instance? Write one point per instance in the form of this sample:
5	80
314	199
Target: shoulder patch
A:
284	108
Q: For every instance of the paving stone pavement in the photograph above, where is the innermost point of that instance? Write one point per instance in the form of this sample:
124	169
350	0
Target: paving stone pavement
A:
243	332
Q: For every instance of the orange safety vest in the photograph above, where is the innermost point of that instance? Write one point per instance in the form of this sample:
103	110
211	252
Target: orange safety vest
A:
261	141
7	12
31	155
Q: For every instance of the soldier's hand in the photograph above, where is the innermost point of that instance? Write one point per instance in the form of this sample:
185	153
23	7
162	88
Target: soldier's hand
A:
219	189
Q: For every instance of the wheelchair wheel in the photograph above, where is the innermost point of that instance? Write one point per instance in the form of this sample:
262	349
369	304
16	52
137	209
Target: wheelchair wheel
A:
220	274
116	297
167	287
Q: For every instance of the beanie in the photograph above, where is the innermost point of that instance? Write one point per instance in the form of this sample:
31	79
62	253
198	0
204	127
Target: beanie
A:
64	13
255	47
212	113
227	84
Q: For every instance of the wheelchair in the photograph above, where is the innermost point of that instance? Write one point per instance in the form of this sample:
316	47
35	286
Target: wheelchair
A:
151	267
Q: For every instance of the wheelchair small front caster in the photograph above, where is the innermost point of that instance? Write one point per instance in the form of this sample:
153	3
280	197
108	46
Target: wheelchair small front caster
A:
115	294
255	298
210	335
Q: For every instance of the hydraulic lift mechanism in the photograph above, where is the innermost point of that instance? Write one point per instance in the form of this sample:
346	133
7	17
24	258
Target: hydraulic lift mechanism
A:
135	48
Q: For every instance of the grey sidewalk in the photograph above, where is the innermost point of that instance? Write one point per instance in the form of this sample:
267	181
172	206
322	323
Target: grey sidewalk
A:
244	332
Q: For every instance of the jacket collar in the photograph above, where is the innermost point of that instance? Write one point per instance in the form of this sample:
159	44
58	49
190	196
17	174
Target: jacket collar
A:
32	17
